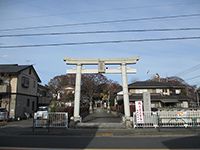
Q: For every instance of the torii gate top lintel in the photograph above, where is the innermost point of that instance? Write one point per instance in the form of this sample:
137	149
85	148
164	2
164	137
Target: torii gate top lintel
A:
113	61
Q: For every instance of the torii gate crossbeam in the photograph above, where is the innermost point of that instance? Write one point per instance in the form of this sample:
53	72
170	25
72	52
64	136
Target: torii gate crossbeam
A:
123	62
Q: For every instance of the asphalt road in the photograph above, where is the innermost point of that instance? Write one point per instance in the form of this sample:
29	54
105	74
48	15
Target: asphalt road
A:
18	135
32	141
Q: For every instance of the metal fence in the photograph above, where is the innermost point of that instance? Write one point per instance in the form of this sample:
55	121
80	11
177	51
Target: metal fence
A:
149	120
168	119
54	119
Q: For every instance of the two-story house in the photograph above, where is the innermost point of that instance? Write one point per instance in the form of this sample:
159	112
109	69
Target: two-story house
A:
18	89
198	97
163	94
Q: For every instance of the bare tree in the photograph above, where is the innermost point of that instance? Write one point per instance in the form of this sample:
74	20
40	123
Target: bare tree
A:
92	86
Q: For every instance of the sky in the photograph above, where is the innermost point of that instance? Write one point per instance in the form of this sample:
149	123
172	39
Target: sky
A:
167	58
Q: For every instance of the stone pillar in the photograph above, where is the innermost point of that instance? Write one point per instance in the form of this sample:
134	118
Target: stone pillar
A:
91	108
108	108
127	117
147	102
77	93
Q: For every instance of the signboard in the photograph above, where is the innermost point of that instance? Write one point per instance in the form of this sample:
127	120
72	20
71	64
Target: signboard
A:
147	102
139	112
181	114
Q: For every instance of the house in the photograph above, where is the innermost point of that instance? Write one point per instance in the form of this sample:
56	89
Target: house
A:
198	97
44	96
163	93
18	89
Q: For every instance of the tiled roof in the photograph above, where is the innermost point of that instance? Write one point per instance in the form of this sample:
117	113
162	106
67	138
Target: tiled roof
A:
154	84
13	68
158	97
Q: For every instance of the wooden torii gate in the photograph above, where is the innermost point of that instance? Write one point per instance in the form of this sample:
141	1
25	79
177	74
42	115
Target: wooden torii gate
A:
124	70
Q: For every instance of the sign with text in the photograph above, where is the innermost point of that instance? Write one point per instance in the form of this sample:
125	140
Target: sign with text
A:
139	112
147	102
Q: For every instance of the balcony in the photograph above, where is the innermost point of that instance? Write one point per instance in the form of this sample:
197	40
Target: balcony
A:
4	89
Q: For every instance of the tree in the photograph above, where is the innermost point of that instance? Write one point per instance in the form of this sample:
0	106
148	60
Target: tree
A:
92	86
59	83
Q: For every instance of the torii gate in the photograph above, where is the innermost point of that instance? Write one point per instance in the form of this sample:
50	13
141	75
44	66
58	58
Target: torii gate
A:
123	62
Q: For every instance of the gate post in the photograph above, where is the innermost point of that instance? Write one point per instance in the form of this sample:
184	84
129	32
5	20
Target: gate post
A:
77	93
127	117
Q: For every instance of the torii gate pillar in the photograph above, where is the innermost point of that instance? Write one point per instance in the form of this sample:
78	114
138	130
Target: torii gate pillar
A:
102	69
125	92
77	93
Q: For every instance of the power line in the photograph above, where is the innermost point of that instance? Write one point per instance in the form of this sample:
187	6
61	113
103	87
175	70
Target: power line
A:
196	83
94	11
193	77
189	70
104	22
99	32
100	42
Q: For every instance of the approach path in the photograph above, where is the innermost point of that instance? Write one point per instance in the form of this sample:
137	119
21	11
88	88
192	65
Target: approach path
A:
102	116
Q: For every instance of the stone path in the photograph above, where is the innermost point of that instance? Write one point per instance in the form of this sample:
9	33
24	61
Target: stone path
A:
101	119
102	116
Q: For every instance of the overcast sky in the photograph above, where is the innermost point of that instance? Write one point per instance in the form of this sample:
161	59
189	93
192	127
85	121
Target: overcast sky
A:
167	58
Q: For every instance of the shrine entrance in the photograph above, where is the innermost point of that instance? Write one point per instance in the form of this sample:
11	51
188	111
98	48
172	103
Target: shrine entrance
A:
123	70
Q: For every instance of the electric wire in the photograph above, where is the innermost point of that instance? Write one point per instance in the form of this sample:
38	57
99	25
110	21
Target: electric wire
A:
198	76
100	42
94	11
100	32
104	22
189	70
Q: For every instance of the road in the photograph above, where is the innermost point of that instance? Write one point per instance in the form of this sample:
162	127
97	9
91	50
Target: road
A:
18	135
188	142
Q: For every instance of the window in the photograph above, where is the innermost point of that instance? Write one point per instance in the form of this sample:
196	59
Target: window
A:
33	105
139	91
165	90
25	82
30	71
159	91
1	81
178	91
28	103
